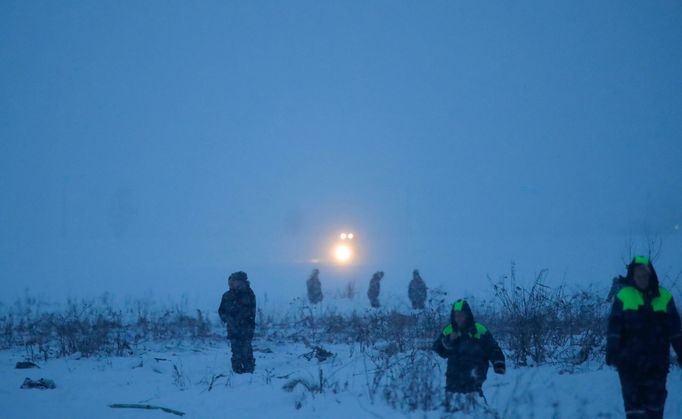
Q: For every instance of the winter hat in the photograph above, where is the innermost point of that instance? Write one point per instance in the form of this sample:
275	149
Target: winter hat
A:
463	306
644	261
641	260
239	276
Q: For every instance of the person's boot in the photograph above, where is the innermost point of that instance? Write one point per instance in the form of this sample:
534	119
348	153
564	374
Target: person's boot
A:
237	366
655	414
636	414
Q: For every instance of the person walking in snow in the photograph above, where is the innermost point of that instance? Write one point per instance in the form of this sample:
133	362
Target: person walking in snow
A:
469	348
375	288
417	291
643	323
238	311
314	287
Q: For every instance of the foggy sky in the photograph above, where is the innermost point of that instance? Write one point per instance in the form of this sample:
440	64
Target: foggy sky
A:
162	145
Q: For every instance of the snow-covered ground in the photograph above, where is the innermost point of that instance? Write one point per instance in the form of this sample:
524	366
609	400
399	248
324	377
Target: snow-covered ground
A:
187	378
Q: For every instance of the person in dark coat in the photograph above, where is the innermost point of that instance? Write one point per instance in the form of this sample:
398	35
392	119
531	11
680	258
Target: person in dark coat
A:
417	291
643	323
375	288
238	311
314	287
469	348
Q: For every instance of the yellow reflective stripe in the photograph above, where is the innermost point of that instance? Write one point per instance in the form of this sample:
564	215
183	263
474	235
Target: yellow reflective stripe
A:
660	303
480	330
447	330
458	306
632	299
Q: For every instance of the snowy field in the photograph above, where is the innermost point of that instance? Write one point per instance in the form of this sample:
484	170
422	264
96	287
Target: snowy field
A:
197	380
338	359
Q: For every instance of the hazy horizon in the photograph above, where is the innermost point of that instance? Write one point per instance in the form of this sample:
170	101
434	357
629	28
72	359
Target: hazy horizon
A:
162	145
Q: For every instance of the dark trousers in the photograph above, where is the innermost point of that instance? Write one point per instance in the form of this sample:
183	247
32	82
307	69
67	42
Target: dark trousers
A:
643	394
242	355
465	401
459	383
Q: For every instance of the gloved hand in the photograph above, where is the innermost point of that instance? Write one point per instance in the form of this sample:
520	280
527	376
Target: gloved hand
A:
499	368
448	341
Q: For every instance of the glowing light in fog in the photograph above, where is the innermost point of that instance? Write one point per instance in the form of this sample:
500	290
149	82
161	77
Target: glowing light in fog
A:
343	236
343	253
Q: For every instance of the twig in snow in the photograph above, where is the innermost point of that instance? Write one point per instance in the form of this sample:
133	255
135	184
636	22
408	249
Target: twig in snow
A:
145	406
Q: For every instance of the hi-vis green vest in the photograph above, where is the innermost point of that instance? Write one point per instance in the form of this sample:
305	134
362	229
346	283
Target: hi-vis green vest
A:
480	330
633	299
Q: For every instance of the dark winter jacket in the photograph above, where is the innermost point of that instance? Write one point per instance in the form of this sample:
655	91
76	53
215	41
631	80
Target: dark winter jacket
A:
238	311
417	291
469	352
375	288
642	326
314	287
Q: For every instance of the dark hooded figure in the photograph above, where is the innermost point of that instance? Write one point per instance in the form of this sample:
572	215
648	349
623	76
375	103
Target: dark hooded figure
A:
417	291
238	311
469	348
314	287
643	324
375	288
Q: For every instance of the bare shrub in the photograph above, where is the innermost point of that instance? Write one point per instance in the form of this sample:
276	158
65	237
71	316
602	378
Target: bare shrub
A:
537	323
93	327
414	382
310	386
533	322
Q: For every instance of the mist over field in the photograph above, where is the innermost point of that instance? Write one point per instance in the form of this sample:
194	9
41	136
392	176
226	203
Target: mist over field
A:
518	154
159	147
